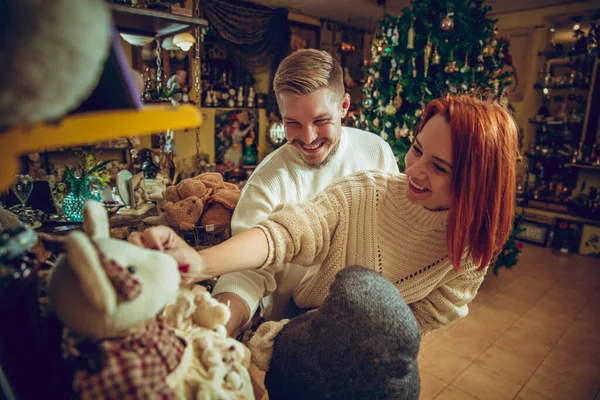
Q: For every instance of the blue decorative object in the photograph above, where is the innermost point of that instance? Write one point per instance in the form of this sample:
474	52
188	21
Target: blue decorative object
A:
79	195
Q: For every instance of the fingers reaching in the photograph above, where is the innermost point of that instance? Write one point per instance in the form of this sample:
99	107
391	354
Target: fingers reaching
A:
136	238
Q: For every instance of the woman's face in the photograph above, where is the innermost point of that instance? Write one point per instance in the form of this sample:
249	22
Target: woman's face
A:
429	166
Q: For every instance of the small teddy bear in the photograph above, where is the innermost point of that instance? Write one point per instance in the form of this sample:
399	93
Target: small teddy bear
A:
205	200
219	368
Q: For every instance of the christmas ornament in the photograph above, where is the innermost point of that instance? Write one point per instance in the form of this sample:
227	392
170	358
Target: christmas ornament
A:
489	50
397	132
480	68
383	135
388	124
368	103
393	73
426	55
447	23
450	67
414	67
436	57
376	122
398	101
418	113
404	131
411	36
376	75
390	110
465	68
395	36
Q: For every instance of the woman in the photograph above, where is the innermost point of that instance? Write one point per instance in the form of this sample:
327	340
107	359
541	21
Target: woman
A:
431	231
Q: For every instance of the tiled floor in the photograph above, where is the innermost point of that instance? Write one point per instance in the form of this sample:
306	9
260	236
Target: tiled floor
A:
533	333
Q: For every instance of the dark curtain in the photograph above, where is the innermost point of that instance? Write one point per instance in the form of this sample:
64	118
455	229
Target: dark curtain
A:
255	37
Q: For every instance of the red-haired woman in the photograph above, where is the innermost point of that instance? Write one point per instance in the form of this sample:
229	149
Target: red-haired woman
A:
432	231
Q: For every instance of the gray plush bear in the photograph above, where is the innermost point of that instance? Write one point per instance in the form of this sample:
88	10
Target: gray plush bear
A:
362	343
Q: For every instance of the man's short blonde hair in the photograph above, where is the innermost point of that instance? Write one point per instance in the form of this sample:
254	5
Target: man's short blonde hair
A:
306	71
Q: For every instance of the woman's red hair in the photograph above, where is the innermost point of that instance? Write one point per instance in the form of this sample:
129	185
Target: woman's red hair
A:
485	151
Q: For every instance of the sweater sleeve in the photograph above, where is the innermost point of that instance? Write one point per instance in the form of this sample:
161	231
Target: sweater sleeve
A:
302	233
449	301
254	206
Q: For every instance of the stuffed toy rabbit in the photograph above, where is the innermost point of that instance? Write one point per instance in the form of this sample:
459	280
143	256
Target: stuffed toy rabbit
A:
131	332
108	294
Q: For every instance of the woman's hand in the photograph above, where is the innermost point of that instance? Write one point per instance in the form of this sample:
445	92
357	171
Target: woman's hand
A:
164	239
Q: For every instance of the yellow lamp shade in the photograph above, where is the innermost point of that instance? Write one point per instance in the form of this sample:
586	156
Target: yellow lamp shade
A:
184	40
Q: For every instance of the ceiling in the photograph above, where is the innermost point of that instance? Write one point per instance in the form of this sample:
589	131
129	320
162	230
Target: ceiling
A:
366	13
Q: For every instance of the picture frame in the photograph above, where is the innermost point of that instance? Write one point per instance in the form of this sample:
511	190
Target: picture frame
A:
590	241
236	138
534	232
304	36
566	235
137	188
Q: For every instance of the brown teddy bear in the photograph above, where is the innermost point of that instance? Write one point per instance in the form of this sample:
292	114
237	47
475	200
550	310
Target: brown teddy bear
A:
203	200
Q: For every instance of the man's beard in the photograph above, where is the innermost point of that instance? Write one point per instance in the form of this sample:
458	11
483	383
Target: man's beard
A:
325	161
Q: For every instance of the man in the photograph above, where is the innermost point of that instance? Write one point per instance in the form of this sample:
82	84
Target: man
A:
310	93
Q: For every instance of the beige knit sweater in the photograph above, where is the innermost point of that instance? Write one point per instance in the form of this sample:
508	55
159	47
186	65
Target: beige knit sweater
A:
365	219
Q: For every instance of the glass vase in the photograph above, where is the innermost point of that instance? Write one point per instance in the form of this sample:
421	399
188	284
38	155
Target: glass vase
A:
80	193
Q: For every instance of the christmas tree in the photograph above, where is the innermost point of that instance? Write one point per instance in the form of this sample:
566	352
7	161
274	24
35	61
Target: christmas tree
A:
433	48
509	256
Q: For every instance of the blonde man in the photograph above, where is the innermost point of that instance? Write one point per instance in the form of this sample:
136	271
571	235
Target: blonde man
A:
312	100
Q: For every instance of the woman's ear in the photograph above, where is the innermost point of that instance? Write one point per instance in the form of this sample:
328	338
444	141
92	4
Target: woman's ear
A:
95	220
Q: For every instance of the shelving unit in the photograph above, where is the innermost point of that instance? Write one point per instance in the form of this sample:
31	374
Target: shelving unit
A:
560	148
154	23
86	128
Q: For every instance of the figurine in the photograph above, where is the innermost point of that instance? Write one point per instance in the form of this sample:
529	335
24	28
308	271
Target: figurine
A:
240	97
250	100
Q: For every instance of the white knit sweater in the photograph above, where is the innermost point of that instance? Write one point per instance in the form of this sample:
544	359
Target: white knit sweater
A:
281	178
365	219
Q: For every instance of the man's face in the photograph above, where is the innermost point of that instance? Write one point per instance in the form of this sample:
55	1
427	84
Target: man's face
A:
313	122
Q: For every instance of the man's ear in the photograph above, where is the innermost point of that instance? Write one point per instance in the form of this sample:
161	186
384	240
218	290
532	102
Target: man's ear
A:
345	104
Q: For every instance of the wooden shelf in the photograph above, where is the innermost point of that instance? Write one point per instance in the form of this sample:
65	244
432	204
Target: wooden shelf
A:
562	87
583	166
568	54
548	213
553	123
151	22
86	128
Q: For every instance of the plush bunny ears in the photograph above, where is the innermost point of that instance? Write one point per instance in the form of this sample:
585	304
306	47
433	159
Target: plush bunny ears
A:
95	220
85	262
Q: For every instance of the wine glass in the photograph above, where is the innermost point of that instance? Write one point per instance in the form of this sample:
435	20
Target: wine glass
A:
22	188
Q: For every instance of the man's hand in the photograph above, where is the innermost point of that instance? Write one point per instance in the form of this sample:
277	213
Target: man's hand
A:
240	312
165	239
